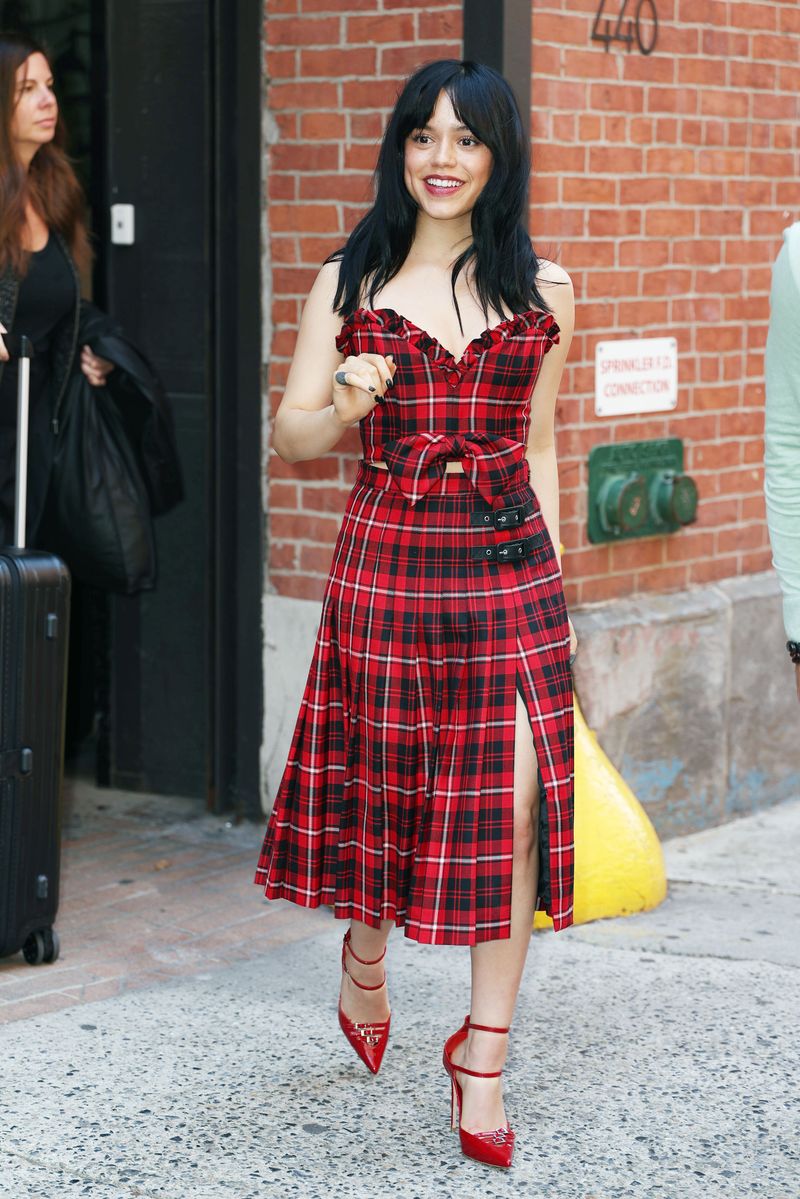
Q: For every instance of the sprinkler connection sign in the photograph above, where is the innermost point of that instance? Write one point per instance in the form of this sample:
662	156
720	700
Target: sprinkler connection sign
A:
636	376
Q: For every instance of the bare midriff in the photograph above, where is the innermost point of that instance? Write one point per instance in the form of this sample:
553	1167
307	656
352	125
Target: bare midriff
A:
451	467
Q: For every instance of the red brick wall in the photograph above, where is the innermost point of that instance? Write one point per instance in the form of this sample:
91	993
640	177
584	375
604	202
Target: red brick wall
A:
661	183
333	73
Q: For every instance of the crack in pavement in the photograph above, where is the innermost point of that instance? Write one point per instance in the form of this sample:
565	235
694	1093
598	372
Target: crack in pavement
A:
675	952
132	1189
120	1187
764	887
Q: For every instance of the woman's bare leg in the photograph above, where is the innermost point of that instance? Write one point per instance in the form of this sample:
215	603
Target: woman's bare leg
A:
366	1006
497	965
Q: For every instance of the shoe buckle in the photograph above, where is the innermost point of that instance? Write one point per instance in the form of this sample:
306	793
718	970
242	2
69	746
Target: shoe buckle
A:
498	1137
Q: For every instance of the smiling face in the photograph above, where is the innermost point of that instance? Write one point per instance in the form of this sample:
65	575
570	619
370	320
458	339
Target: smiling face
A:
36	109
445	168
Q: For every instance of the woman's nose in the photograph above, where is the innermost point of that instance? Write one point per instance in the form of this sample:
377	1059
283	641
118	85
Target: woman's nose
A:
445	153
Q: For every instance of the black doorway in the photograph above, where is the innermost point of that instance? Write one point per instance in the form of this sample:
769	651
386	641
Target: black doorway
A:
162	98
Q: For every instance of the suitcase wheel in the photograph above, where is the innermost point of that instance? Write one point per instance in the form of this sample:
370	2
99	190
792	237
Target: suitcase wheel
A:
41	946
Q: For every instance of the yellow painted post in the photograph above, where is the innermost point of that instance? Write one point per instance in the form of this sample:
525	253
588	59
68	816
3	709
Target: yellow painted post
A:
619	864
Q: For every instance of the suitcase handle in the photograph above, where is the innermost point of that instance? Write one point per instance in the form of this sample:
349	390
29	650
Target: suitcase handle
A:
18	345
21	347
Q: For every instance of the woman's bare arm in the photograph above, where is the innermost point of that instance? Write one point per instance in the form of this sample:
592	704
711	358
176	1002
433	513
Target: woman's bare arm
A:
315	410
556	286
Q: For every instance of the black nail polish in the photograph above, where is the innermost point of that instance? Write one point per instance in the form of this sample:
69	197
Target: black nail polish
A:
372	389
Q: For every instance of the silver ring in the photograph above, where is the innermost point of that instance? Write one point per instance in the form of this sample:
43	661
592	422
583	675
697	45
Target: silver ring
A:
341	378
572	658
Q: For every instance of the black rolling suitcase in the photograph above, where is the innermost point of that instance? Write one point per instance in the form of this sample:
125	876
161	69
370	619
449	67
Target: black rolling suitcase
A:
34	619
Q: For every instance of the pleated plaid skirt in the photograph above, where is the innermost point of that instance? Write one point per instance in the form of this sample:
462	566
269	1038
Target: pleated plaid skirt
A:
397	799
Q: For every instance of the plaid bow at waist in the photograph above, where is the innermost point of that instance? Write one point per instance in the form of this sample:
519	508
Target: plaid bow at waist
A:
493	465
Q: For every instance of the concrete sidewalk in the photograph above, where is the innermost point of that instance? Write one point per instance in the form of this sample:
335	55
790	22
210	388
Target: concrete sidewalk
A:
653	1056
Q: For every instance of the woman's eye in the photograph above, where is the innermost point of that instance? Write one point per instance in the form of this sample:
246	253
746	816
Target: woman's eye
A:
424	138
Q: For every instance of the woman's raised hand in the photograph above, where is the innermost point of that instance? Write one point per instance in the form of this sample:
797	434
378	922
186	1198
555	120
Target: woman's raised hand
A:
3	350
359	383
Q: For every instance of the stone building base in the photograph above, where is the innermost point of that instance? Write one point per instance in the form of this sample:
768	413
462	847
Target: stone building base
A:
691	696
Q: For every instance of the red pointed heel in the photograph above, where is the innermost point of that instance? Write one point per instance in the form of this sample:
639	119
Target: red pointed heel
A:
492	1148
368	1040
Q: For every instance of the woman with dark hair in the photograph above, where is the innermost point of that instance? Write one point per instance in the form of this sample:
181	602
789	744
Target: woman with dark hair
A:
429	782
44	249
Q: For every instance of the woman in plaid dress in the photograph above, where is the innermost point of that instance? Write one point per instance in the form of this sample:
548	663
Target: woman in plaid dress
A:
429	783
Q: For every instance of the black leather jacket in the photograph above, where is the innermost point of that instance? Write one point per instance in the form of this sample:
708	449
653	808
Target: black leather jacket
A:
133	383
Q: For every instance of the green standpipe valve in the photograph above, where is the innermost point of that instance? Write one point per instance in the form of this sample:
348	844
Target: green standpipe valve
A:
638	489
673	498
622	503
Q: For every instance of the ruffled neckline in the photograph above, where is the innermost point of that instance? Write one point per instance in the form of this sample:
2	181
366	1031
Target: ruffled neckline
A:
395	322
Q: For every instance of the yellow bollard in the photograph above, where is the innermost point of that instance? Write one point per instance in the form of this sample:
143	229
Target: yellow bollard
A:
619	865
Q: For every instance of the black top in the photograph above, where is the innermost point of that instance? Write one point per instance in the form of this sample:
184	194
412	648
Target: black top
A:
46	295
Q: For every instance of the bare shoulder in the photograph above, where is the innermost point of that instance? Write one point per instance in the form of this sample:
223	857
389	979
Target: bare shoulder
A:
551	273
556	287
320	299
319	323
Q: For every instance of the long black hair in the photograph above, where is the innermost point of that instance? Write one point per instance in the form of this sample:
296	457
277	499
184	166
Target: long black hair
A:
505	263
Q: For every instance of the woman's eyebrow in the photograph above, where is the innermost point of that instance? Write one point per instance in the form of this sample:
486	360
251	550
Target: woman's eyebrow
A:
458	128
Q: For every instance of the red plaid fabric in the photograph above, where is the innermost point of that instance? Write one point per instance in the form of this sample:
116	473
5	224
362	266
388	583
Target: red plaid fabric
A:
493	465
397	798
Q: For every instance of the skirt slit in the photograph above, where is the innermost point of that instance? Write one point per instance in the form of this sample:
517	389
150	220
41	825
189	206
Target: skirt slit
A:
397	801
543	888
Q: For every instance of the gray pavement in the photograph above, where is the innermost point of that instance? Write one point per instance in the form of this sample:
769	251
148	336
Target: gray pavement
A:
652	1056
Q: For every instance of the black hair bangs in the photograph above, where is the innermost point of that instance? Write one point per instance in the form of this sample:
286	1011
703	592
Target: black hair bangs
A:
501	262
466	94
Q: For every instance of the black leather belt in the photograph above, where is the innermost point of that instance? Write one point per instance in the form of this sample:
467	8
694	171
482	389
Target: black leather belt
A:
503	518
507	551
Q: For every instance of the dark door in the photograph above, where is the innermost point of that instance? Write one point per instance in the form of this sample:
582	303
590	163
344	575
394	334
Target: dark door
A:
159	161
184	145
162	98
